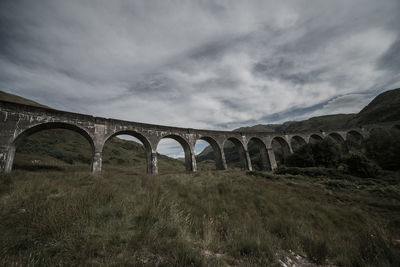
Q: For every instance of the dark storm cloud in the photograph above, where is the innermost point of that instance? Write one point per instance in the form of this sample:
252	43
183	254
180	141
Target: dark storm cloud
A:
200	64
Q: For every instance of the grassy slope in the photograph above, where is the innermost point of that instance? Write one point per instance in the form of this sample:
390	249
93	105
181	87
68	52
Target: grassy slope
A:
18	99
384	107
208	218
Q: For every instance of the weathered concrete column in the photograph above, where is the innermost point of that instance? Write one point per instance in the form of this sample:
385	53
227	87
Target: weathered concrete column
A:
6	158
290	148
190	159
152	163
272	160
223	166
97	162
287	139
247	161
97	140
220	157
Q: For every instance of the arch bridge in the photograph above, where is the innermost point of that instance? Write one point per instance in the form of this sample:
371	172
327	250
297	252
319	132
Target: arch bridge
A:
18	121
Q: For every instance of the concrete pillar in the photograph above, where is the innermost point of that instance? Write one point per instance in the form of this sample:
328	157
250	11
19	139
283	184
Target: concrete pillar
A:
271	156
97	148
6	158
287	138
290	148
223	165
220	157
190	159
152	164
247	161
97	162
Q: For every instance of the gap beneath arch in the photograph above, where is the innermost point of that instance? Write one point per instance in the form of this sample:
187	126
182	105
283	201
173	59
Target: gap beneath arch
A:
171	156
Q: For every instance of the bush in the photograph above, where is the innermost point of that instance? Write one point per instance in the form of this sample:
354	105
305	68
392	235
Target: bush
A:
359	165
383	146
303	157
326	153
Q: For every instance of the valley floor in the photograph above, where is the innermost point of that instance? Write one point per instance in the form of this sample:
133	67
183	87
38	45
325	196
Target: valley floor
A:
212	218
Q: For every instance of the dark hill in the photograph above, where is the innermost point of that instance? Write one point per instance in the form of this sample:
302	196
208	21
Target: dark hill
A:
384	107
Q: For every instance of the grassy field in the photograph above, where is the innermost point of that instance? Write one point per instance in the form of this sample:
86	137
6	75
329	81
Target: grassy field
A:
210	218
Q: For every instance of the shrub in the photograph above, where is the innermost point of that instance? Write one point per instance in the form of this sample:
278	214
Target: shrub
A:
326	153
303	157
359	165
383	146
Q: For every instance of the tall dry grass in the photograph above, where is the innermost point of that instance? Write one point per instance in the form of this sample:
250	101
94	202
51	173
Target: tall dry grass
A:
213	218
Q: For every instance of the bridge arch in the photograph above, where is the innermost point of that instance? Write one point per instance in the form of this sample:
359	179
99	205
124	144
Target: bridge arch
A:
241	150
190	162
41	127
281	149
313	138
297	141
263	161
339	139
143	139
354	139
220	163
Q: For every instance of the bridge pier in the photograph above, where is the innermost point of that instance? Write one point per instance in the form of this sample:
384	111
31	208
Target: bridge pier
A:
193	163
152	163
190	159
247	161
271	157
6	159
97	162
221	161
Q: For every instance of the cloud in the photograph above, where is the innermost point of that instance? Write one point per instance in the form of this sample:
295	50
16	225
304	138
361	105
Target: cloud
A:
200	64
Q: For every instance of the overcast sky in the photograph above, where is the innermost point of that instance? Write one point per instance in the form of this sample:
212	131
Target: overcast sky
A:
200	64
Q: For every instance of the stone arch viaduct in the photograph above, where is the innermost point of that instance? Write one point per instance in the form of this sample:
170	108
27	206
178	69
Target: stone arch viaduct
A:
17	121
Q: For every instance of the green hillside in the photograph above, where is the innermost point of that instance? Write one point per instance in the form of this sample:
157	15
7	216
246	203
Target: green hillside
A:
384	107
60	149
18	99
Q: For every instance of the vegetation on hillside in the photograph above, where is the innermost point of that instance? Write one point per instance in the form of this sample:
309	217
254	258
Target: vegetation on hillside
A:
384	107
20	100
